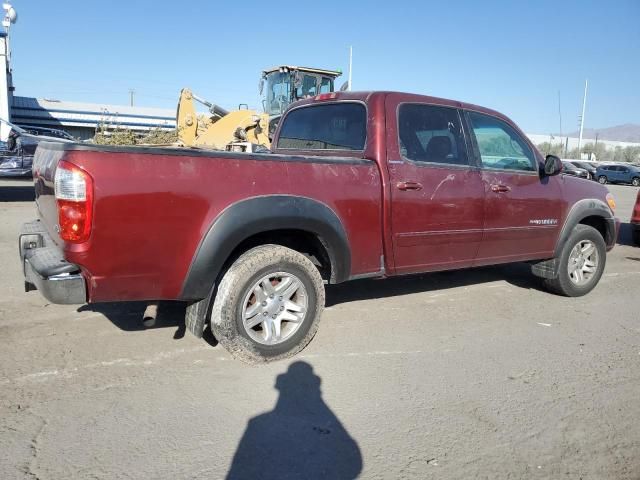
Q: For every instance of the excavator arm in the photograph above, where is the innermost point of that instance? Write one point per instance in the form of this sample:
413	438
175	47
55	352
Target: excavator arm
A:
222	128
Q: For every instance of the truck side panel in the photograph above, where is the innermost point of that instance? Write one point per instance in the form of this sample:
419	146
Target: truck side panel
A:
151	212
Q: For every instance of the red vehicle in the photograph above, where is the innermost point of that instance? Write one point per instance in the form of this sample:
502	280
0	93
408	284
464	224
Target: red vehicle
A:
635	221
357	185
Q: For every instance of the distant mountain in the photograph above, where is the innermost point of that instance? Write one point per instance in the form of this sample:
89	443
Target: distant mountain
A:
629	132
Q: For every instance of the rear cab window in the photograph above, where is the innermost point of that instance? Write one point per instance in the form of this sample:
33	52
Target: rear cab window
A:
339	126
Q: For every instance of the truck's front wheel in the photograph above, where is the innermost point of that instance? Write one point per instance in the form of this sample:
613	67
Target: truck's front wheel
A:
581	263
268	304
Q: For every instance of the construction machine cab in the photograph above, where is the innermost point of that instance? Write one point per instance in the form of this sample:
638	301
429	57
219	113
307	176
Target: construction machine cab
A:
286	84
243	129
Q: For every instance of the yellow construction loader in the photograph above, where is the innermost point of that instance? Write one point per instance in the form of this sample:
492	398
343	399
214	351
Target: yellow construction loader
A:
244	129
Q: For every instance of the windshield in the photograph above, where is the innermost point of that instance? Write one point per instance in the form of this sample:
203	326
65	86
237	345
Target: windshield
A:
278	94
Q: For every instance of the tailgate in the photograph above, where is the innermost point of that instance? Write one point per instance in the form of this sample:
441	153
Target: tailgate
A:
45	162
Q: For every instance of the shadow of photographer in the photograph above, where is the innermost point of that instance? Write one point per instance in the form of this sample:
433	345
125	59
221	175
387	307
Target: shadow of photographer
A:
300	438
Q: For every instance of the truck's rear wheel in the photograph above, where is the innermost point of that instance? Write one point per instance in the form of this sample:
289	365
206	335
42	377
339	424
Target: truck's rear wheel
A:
581	263
268	304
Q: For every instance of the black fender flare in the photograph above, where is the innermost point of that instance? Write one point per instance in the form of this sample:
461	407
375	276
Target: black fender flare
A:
256	215
588	207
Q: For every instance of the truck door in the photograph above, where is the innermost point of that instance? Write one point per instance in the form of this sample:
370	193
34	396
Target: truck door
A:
437	197
522	210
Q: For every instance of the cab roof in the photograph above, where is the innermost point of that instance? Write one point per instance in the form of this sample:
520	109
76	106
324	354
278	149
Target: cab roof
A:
320	71
368	97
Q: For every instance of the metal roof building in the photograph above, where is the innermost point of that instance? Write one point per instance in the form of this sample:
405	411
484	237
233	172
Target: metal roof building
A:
81	119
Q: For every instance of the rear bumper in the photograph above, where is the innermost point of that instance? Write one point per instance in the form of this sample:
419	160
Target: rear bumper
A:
14	167
46	269
15	172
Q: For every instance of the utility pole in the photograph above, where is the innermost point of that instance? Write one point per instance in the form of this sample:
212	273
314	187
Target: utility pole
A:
560	113
584	104
6	81
350	66
132	94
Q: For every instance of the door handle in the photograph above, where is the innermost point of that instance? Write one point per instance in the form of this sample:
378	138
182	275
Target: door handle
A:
500	188
409	186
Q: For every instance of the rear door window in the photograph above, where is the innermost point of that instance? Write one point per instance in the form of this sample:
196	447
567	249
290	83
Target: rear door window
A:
431	134
334	126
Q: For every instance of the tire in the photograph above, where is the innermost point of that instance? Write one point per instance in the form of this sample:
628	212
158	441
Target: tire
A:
635	181
636	236
256	279
565	283
602	180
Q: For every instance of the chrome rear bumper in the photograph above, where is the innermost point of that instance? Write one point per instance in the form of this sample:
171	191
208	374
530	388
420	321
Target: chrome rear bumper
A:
46	269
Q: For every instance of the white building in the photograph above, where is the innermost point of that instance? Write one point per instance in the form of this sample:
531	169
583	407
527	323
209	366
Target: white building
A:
572	142
82	119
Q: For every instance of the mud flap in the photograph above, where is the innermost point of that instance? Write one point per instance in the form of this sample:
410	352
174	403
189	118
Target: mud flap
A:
546	268
196	317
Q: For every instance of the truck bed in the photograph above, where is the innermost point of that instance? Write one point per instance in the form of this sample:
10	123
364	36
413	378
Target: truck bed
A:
154	205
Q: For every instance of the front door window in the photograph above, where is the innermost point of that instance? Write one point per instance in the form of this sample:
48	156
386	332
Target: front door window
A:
500	146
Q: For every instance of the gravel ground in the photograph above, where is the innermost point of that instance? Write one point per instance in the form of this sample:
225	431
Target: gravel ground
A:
467	374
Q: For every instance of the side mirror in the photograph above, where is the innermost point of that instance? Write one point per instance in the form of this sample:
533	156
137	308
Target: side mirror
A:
261	86
552	165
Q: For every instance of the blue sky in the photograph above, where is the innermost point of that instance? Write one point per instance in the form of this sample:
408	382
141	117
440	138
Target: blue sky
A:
512	56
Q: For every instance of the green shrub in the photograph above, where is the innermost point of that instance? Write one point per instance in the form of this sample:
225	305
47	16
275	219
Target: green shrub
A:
106	135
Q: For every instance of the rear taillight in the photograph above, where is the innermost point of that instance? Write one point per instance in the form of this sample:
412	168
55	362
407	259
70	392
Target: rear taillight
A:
636	210
74	196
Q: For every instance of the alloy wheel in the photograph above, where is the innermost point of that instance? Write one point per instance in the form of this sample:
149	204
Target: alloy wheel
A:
583	262
274	308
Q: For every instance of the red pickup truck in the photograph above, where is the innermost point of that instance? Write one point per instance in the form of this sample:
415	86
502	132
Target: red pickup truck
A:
635	221
356	185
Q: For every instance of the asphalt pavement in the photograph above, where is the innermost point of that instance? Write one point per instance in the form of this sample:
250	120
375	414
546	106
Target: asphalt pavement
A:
467	374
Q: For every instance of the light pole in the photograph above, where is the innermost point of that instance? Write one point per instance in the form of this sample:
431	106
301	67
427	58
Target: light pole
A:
350	67
560	113
584	104
6	83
